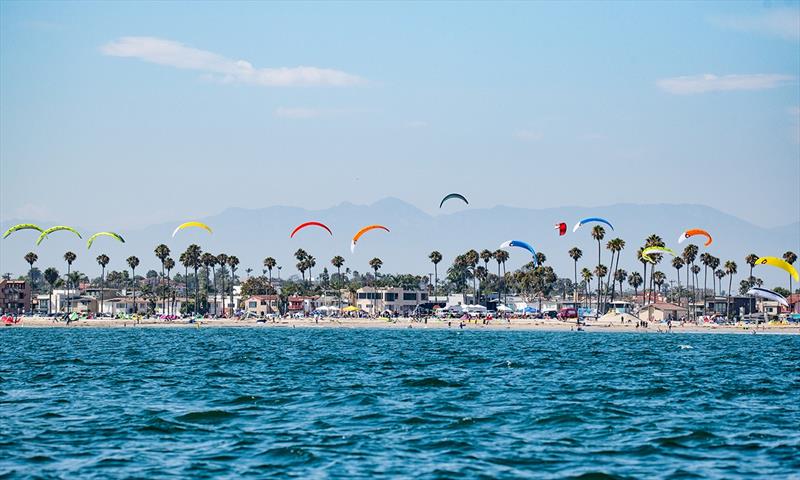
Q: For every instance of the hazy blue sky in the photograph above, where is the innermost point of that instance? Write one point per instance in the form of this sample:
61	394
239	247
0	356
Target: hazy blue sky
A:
138	113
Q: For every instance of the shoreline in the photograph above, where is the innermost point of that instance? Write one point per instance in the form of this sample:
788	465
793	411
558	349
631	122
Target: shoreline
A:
407	324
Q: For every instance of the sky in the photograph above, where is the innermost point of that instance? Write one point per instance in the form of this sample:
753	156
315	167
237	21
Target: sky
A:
128	114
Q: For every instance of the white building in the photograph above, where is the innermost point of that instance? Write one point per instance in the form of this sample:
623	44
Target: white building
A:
376	300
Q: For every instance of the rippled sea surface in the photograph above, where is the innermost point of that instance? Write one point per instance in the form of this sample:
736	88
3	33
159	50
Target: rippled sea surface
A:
230	403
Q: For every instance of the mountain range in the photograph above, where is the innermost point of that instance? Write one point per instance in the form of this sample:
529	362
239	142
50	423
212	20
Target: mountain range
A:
253	234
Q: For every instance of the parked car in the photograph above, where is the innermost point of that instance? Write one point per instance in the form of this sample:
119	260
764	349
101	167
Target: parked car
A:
567	313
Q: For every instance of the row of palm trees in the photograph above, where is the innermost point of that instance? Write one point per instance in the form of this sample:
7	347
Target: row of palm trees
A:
469	264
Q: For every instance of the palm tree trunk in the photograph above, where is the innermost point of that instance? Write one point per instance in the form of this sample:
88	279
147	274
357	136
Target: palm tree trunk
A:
133	285
69	300
196	286
575	287
102	287
222	278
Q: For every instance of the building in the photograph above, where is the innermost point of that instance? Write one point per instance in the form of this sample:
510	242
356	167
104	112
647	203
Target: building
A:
15	296
396	300
124	306
261	305
300	304
661	312
739	306
794	303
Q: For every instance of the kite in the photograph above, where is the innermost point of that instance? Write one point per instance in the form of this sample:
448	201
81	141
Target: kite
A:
106	234
453	195
22	226
56	229
769	295
647	251
780	263
591	219
191	224
521	244
692	233
362	232
308	224
562	229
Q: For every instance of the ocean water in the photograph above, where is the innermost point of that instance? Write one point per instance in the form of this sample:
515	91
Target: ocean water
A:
326	403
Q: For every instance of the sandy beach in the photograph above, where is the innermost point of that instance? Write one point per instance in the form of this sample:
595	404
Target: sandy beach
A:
404	323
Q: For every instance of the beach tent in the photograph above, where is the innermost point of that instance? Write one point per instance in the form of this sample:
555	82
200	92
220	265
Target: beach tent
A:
351	308
503	308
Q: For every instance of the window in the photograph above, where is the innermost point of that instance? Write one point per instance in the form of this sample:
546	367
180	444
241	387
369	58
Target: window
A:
409	296
252	304
362	295
390	297
423	296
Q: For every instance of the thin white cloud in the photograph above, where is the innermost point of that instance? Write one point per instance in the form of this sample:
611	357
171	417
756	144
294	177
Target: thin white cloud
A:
226	70
721	83
780	22
528	135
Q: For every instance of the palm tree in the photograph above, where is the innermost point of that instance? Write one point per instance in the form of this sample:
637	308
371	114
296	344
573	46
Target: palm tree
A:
643	277
689	255
600	272
730	270
193	253
486	256
222	260
162	252
501	256
587	276
658	279
695	272
270	263
751	260
654	241
102	260
233	262
598	233
31	258
51	276
705	260
714	264
620	276
575	254
133	262
186	262
677	264
376	263
69	257
301	256
720	274
436	257
337	262
790	258
635	281
209	261
169	264
616	245
311	262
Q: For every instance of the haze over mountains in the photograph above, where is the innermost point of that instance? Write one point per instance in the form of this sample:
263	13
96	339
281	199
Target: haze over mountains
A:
253	234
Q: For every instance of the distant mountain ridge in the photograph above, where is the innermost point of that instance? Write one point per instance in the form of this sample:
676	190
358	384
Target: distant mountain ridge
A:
253	234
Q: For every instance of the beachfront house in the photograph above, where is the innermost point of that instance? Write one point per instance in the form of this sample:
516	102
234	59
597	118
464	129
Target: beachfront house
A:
394	299
662	312
124	306
261	305
739	306
15	296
